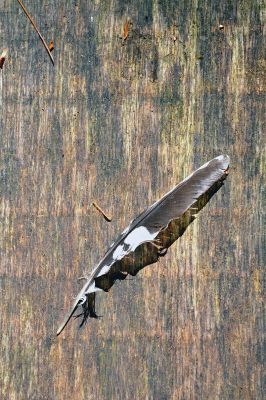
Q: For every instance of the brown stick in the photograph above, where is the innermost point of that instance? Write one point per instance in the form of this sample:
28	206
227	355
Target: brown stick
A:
37	30
102	212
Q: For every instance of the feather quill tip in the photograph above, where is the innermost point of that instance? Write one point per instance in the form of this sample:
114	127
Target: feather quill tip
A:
67	318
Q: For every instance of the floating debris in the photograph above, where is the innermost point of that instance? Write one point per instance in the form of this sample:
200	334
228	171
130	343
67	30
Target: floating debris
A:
126	30
3	57
108	219
51	45
37	30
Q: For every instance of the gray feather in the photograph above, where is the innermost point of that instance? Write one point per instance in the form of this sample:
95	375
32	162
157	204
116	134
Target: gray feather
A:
149	235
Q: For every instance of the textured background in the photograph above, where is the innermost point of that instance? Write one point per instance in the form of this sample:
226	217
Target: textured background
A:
120	122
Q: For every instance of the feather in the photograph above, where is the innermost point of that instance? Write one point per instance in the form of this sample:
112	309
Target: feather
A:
149	235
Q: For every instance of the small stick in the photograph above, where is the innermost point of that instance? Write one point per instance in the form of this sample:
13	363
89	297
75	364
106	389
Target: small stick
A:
37	30
108	219
81	278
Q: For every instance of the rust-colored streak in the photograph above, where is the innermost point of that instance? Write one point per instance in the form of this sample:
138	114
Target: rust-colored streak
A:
226	171
126	30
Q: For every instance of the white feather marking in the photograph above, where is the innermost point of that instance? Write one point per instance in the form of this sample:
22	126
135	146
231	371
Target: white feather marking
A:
104	270
118	253
93	288
139	236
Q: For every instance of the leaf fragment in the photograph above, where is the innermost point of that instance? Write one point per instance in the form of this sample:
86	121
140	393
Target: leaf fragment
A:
126	30
51	45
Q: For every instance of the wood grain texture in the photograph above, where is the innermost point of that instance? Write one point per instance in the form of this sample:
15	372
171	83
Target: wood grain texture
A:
120	122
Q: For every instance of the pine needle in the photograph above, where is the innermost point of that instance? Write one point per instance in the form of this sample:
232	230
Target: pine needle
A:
37	30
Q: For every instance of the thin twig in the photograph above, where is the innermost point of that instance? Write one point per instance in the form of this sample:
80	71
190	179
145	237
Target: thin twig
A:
108	219
37	30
